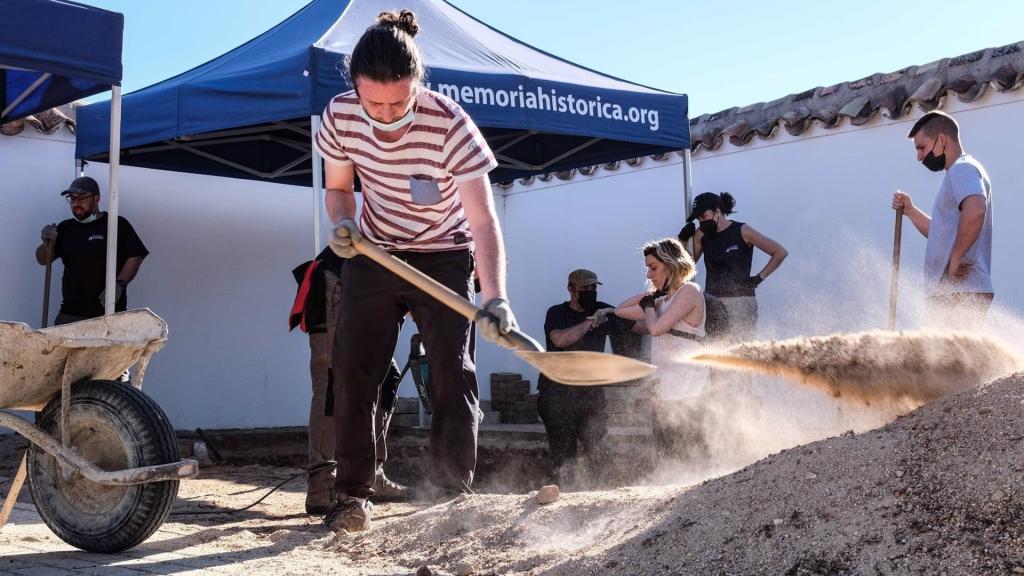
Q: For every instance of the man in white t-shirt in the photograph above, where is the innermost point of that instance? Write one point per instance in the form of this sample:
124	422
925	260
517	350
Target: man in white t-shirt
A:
422	165
958	254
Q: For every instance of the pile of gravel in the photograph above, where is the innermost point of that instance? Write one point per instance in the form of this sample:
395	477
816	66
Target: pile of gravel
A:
938	491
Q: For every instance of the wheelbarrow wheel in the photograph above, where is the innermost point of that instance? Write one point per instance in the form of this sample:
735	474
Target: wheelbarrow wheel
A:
115	427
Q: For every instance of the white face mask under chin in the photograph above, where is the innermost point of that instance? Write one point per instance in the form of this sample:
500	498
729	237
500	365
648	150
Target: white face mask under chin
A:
401	122
90	218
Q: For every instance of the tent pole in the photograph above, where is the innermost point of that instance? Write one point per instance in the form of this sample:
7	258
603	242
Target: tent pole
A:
115	164
21	97
687	192
314	124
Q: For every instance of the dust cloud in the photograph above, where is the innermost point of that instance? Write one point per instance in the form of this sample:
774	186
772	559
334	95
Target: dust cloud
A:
908	368
822	369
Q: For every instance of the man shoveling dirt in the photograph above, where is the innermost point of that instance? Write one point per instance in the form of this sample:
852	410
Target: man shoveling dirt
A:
443	223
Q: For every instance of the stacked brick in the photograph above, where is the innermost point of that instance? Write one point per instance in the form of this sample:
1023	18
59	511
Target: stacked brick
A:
407	413
629	407
510	396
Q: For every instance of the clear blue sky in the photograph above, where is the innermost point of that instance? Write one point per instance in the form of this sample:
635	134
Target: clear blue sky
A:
722	53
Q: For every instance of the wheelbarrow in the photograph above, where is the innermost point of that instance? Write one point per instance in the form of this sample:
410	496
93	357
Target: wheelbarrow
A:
103	465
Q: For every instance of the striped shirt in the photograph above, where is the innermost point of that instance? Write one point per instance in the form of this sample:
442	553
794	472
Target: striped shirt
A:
410	187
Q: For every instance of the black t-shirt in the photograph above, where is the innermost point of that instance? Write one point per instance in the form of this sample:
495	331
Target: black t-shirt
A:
727	258
83	250
562	316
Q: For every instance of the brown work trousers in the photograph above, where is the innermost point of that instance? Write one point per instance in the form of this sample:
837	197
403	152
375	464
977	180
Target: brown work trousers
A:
373	306
322	440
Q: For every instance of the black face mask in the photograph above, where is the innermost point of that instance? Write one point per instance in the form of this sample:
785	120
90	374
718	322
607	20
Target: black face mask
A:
933	162
587	299
708	227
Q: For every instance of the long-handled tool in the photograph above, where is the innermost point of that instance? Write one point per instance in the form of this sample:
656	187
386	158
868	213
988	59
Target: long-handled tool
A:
894	285
46	284
572	368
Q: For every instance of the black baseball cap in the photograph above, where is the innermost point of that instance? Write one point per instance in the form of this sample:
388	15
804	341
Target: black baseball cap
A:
703	202
82	185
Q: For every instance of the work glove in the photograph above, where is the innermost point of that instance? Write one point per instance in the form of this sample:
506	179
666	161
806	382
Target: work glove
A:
49	233
648	300
687	232
118	292
754	281
498	321
341	240
600	317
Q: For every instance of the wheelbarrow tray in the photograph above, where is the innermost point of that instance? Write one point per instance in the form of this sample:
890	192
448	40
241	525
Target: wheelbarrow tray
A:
104	463
34	363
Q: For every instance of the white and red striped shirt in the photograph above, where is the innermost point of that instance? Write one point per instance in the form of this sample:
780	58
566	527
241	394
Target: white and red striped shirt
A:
410	187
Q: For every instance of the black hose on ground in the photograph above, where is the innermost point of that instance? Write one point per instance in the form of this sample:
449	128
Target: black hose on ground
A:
305	472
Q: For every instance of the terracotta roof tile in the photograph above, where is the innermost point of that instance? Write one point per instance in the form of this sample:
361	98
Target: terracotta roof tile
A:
894	94
46	122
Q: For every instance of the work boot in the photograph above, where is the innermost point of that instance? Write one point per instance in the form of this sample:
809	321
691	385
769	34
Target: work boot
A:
385	490
349	514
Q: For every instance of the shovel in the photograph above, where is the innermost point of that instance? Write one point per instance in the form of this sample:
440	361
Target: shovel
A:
894	284
571	368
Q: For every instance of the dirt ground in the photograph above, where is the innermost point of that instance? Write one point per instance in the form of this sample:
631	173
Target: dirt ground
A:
938	491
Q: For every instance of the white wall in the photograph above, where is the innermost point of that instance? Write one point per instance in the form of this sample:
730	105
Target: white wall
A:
219	272
825	196
33	170
222	249
598	222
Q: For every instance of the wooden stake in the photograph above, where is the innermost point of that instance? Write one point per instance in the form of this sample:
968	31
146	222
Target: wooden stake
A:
12	496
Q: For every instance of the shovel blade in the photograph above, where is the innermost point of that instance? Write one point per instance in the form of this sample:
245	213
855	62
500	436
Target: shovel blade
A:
586	368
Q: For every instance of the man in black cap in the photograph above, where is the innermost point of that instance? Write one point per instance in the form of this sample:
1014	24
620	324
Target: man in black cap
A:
575	417
81	244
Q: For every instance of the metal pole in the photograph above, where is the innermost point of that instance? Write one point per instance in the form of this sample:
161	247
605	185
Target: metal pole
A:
314	124
687	192
115	164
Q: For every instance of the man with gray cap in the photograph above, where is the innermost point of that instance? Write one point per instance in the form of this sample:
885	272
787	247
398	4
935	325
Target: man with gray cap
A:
575	415
81	244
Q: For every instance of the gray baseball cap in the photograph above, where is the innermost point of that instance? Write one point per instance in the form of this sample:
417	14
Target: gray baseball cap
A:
82	185
582	277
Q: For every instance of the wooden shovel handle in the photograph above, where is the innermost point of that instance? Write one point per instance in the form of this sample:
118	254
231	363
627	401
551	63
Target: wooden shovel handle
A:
46	284
516	340
894	285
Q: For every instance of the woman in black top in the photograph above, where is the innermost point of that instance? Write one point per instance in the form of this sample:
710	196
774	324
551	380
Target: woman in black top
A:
728	250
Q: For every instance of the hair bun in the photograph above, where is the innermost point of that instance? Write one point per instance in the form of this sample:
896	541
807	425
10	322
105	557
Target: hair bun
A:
728	203
404	21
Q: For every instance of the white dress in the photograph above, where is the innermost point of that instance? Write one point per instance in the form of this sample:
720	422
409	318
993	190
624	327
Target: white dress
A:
676	378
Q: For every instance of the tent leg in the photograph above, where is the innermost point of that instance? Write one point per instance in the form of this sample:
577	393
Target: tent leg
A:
687	192
314	125
115	164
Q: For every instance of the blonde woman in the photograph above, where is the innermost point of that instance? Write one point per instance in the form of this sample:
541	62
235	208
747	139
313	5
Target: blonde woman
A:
673	314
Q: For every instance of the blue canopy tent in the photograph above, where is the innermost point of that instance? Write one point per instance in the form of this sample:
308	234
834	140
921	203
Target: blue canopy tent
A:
250	112
53	52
